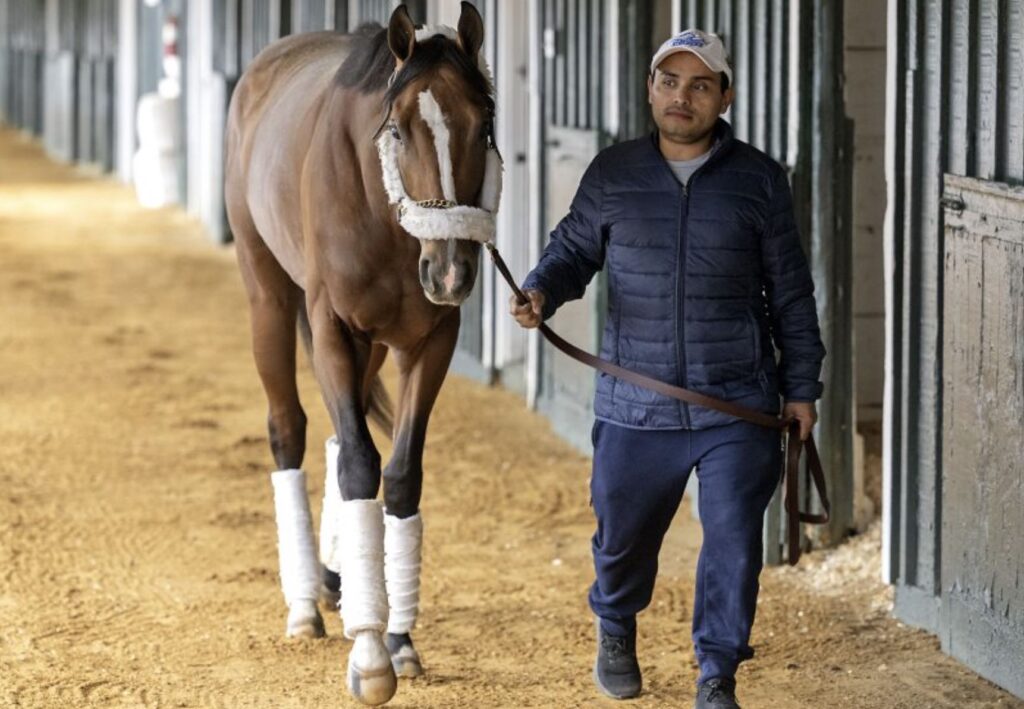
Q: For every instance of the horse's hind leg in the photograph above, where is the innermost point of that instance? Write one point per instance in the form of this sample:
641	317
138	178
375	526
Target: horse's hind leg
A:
330	581
274	300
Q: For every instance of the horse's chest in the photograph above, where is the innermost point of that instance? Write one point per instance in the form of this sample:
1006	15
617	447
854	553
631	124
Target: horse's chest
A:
386	308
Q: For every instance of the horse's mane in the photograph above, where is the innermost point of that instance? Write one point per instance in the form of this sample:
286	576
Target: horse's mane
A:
369	66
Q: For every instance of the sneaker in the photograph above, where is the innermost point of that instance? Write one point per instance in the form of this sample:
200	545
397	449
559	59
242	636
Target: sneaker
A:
616	671
717	693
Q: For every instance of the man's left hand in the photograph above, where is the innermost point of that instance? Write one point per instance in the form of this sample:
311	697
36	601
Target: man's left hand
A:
804	412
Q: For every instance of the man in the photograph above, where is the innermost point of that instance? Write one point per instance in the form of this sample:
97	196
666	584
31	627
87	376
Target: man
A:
705	272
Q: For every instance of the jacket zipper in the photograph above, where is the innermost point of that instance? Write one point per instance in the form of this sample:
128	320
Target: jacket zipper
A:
684	208
683	229
681	265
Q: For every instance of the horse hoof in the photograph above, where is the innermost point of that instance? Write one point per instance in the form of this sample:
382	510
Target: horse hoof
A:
304	621
404	657
371	678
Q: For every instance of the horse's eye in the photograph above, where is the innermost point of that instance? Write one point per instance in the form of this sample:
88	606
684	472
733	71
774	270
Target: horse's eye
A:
393	127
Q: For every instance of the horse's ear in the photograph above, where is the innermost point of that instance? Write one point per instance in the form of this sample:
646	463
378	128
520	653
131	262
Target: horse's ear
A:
471	30
401	34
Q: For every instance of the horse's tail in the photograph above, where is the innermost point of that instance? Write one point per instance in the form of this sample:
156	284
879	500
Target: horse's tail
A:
305	331
378	407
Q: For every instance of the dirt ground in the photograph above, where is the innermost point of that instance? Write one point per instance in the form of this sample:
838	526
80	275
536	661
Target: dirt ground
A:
137	548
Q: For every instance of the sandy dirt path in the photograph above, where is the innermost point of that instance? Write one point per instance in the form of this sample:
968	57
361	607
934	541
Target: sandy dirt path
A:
137	548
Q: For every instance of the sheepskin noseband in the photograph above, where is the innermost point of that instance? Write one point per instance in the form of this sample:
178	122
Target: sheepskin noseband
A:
441	218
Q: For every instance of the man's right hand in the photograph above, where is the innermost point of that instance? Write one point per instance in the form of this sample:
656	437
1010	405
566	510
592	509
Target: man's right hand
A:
528	314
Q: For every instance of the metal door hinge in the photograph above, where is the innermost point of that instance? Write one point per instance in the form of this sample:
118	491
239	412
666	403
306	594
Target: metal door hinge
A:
955	204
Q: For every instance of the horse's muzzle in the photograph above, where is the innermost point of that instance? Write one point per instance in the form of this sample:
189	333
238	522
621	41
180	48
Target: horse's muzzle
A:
447	282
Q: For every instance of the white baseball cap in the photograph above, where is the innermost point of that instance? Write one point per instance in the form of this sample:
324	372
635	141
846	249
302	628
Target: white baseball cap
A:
706	45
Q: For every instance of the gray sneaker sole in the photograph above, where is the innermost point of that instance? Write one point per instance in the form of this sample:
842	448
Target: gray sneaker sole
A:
607	692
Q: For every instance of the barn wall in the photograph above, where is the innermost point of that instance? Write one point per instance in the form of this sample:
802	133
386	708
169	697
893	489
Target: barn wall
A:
981	615
225	36
956	89
513	128
361	11
23	78
126	81
788	63
475	354
95	31
5	58
864	62
573	124
57	75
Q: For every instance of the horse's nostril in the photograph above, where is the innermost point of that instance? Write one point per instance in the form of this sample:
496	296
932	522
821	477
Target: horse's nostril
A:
424	271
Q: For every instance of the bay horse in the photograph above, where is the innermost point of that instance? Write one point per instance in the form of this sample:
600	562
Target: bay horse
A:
340	149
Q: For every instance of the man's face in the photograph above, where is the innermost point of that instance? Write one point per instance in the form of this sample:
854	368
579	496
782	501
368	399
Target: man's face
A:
686	98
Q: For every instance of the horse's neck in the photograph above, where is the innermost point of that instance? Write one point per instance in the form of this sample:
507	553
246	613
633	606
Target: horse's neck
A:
351	120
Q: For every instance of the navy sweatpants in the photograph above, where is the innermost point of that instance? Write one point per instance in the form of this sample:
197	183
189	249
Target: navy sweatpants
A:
638	481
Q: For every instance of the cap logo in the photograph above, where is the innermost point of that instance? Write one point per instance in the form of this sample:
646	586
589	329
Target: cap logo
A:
688	40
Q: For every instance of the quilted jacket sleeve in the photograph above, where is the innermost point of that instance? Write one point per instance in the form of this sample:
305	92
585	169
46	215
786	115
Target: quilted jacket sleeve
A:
576	249
790	296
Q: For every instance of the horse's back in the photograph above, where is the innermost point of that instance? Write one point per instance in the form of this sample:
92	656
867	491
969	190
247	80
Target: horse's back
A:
270	122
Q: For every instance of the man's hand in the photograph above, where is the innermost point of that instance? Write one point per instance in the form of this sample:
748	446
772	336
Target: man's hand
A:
804	412
528	314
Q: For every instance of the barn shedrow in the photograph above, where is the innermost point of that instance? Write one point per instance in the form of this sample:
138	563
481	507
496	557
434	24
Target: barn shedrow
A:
902	128
566	96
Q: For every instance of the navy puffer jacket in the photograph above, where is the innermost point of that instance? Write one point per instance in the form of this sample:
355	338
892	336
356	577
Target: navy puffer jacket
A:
702	280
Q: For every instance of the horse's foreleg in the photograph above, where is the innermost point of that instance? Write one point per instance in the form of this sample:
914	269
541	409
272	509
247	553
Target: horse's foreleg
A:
330	593
422	373
340	363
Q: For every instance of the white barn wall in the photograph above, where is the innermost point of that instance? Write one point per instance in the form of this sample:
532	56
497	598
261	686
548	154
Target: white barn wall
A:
513	128
127	88
205	107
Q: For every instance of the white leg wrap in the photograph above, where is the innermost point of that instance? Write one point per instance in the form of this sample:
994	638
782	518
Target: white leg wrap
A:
364	599
300	572
329	511
403	541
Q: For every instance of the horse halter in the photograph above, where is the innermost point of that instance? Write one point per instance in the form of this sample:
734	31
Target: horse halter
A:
442	218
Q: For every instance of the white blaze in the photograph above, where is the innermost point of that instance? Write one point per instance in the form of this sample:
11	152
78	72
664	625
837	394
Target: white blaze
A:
434	118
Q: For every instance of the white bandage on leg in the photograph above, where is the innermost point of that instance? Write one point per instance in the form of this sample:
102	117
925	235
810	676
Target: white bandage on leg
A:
403	540
364	599
329	511
300	572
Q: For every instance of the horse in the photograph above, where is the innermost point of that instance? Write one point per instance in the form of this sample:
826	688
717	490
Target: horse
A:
361	178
